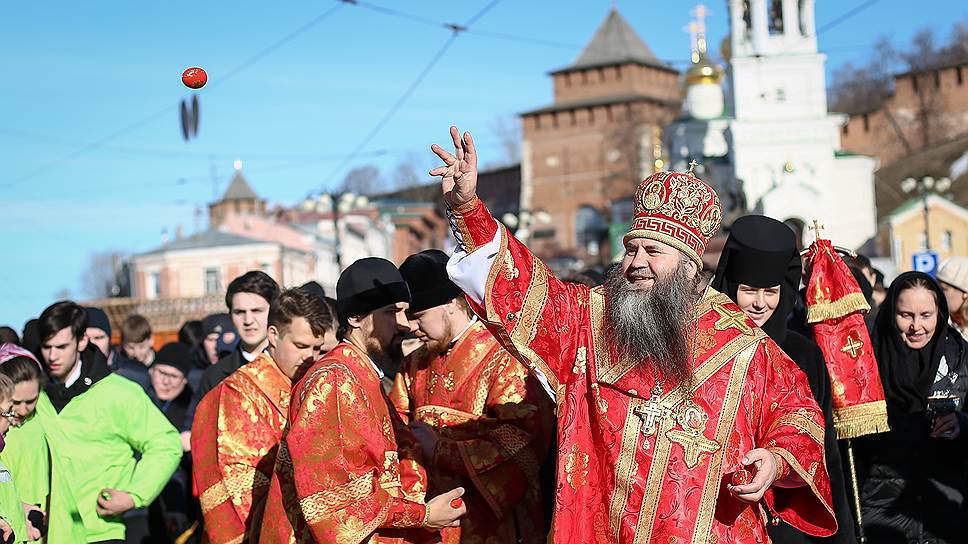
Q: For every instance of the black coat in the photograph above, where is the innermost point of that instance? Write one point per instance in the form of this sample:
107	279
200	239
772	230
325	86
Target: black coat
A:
807	355
913	486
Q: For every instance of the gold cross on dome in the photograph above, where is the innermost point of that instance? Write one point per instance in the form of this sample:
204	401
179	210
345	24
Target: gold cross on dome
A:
852	346
692	166
728	319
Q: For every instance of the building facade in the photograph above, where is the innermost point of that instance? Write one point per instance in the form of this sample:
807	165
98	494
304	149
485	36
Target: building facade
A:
583	155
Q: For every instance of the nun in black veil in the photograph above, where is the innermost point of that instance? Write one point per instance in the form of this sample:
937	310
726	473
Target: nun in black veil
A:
760	270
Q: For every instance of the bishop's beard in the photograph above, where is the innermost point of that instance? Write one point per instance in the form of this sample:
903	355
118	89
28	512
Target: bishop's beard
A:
652	325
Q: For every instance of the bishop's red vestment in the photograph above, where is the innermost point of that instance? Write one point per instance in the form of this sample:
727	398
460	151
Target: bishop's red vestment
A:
641	461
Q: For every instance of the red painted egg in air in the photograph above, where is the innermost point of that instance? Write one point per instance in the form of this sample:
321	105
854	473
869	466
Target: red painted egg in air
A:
194	78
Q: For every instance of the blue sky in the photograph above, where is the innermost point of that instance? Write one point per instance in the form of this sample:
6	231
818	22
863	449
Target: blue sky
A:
77	73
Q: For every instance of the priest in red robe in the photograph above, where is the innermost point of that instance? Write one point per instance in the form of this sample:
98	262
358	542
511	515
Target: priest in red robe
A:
237	425
485	424
678	419
348	469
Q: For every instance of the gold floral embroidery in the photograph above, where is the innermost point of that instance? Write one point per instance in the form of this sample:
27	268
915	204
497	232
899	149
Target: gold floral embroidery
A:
576	467
581	358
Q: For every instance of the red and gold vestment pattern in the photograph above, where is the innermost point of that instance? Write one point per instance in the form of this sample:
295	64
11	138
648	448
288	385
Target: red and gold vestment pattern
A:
640	464
348	469
493	424
235	436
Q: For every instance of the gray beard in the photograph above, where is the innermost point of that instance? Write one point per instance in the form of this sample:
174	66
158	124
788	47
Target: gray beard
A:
652	325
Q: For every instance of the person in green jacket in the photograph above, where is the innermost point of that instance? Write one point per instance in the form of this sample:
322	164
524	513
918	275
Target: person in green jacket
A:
13	521
95	422
26	454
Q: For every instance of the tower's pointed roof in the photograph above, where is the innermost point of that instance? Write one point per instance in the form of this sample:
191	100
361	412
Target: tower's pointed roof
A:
614	42
239	189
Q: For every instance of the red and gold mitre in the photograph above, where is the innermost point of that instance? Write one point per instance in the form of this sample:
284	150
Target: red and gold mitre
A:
678	209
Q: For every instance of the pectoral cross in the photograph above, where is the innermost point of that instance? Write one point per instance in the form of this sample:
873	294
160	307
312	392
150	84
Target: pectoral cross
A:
692	436
651	412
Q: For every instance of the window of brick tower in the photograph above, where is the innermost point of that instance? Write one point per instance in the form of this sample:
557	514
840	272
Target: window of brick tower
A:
590	227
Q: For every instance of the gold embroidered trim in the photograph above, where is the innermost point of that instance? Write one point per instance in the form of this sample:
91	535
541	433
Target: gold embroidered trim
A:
242	483
653	485
860	420
727	422
623	468
316	506
466	207
667	239
520	351
431	413
854	302
802	421
534	300
793	464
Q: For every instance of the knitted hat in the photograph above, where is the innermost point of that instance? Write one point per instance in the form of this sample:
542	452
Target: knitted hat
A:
954	272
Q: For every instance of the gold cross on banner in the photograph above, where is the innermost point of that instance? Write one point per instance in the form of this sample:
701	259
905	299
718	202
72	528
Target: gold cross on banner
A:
852	346
692	436
728	319
816	227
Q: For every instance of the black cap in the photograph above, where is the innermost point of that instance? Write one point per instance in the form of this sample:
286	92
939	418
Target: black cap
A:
217	323
97	319
175	354
368	284
759	250
426	276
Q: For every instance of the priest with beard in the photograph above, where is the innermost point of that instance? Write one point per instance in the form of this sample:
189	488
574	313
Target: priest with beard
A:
760	269
348	469
678	418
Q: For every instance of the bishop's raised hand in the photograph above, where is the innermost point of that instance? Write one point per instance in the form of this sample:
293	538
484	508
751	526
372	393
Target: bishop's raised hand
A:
459	172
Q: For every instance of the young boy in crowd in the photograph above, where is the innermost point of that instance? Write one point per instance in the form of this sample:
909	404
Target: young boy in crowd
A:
137	353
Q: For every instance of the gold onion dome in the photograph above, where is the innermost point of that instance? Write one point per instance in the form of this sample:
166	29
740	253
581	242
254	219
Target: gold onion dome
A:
703	70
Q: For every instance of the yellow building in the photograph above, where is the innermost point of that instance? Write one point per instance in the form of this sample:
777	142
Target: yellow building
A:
947	230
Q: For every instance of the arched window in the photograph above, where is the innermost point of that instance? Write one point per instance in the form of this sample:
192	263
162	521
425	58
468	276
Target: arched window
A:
590	227
775	17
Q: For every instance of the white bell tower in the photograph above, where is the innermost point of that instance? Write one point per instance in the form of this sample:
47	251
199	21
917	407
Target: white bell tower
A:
784	145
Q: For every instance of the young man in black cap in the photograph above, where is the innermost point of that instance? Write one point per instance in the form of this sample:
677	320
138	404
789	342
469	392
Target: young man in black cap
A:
482	421
99	332
344	438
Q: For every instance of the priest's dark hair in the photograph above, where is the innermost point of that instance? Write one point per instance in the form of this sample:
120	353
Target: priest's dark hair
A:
256	282
298	302
60	315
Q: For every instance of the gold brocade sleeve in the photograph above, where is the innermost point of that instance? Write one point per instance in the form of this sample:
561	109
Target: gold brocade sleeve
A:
503	449
345	467
234	475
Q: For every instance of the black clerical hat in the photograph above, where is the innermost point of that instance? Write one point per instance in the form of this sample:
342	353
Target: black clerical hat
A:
426	275
368	284
759	251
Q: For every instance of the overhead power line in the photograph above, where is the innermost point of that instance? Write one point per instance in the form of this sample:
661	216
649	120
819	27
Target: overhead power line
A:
455	32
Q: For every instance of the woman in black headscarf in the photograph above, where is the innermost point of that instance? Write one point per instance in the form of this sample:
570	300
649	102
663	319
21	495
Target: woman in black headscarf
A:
914	477
760	270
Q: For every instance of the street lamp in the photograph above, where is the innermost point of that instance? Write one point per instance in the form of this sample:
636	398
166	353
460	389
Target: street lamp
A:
337	203
924	187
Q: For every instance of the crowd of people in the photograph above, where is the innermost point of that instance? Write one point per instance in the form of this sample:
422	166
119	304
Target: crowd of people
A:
477	398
